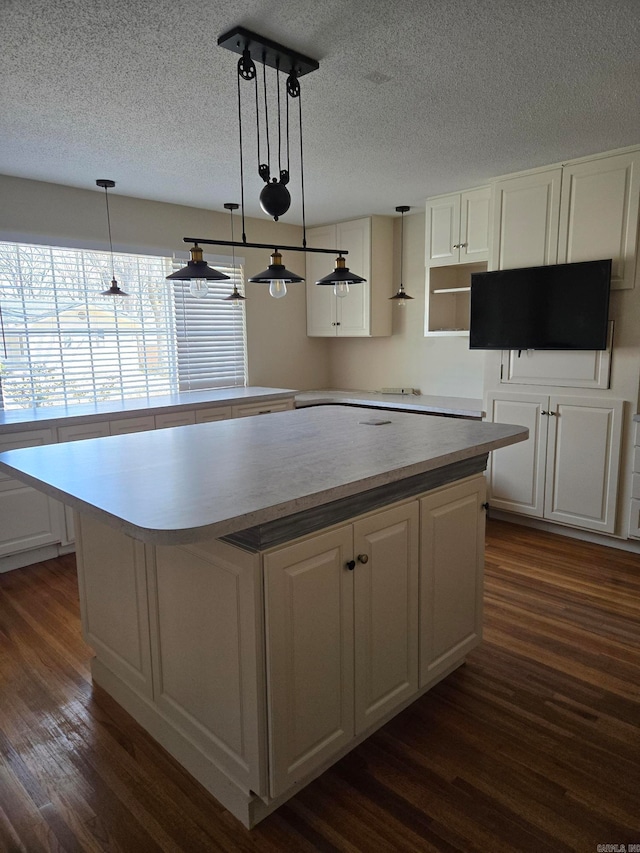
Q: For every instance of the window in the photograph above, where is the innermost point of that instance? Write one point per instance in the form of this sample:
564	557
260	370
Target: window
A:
62	343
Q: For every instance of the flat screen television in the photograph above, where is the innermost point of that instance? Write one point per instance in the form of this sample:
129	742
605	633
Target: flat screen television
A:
556	307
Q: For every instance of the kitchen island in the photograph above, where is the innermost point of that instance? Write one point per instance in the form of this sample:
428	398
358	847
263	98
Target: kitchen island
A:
262	594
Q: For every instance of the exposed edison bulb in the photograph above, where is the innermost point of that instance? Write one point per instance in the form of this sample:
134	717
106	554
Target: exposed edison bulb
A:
402	303
277	288
341	288
198	287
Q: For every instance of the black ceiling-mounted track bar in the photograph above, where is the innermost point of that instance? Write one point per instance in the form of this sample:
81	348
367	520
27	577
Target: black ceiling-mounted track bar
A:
269	246
268	52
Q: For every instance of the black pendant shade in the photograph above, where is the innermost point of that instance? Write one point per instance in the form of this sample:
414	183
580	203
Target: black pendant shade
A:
276	271
114	290
197	268
341	275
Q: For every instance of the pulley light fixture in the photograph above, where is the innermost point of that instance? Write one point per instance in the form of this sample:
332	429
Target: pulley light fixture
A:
275	198
114	290
401	296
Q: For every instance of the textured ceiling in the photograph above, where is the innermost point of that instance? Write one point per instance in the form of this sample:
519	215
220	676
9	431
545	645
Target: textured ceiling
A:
412	97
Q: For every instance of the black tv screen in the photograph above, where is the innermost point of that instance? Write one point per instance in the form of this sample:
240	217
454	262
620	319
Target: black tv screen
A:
558	307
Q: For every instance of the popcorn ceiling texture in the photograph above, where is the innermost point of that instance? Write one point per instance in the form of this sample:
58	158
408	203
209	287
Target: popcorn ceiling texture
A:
411	99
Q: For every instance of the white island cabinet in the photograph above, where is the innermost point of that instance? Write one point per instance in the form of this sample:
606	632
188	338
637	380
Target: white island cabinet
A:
263	610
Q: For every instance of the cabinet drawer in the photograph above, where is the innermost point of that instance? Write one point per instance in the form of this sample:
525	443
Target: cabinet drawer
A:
124	425
76	432
261	408
174	419
213	413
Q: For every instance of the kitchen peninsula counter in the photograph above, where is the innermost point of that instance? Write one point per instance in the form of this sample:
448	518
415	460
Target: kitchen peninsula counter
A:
262	594
425	404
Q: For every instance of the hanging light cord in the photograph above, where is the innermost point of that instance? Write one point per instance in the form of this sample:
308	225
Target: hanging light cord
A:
401	248
106	197
304	223
279	120
4	340
244	236
266	118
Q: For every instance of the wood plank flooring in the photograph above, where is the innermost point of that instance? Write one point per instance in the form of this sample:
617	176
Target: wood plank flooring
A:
533	745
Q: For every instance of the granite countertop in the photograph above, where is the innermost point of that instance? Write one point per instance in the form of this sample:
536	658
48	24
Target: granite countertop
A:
53	416
463	407
208	480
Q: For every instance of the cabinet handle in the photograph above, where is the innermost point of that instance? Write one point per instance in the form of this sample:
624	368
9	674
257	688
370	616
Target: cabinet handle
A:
463	245
363	558
351	565
485	505
456	245
552	414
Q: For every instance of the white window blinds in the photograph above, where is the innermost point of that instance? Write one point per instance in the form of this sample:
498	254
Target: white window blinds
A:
63	344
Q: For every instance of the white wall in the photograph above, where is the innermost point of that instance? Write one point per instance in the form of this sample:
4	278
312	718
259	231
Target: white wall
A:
435	365
279	352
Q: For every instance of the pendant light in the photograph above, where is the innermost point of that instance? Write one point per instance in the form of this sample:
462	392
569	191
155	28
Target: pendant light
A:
236	297
198	272
401	296
341	278
114	290
277	276
275	198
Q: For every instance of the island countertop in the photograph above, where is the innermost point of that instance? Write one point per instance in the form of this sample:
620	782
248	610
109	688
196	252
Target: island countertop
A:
208	480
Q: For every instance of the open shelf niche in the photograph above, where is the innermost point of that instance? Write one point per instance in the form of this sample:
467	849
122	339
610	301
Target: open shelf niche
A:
448	298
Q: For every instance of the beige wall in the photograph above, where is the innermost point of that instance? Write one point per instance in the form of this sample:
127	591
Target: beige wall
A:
435	365
279	352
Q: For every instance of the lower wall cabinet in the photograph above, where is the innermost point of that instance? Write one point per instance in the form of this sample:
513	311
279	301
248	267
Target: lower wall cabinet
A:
31	522
567	470
257	670
28	518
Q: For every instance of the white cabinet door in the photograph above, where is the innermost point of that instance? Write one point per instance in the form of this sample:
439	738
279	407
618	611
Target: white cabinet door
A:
321	300
386	612
353	310
443	230
28	518
599	214
567	470
583	460
525	220
451	575
309	631
458	228
474	225
516	474
366	310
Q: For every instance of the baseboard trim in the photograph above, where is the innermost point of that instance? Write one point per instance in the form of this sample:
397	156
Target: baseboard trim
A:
571	532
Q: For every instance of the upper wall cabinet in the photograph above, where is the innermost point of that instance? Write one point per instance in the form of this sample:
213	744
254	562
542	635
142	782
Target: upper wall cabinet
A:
458	228
583	211
366	310
599	214
526	213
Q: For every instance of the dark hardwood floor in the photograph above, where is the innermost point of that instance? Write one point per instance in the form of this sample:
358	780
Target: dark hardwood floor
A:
533	745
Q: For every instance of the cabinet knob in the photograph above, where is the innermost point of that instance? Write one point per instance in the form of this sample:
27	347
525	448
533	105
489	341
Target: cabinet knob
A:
485	505
351	565
363	558
456	245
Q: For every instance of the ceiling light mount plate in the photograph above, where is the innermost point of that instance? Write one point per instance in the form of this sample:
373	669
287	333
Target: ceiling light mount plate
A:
267	52
105	183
